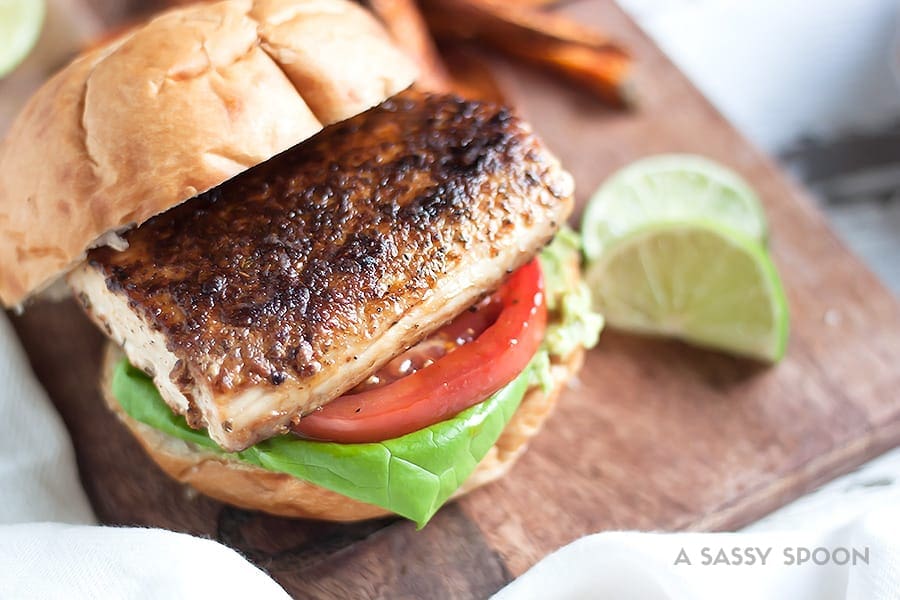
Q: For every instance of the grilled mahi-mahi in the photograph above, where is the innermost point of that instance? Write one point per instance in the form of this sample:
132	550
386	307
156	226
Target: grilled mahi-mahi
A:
283	288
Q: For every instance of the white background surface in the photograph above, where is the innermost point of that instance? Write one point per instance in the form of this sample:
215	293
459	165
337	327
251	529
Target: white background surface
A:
781	69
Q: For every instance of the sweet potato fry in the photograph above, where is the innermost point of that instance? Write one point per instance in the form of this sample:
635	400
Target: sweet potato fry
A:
545	39
471	75
406	25
539	3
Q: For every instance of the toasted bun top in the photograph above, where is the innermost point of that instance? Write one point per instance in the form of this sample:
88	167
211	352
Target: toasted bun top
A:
171	109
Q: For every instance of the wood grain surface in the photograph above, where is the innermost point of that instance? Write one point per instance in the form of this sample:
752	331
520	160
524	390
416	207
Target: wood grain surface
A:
654	435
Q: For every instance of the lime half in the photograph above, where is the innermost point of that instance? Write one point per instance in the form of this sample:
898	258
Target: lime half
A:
669	187
20	27
695	280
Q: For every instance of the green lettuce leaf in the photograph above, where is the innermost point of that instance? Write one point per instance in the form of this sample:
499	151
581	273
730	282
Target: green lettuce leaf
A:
412	475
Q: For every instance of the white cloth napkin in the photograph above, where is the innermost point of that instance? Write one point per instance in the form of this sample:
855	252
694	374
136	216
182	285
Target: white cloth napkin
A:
54	560
71	557
625	565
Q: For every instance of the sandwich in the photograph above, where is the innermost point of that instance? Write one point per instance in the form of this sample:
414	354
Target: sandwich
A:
327	293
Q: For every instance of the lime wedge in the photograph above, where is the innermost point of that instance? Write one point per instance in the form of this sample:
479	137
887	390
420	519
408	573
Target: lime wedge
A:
20	26
694	280
673	187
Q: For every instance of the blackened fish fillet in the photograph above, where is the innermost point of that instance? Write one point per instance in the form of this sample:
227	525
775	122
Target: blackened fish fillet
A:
281	289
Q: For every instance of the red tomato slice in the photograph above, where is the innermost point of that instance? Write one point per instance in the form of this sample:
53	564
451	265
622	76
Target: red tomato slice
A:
462	330
463	375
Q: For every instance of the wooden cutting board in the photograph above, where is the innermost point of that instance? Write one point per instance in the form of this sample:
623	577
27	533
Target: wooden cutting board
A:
655	435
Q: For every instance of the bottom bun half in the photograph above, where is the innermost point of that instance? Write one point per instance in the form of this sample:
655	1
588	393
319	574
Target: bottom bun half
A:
254	488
